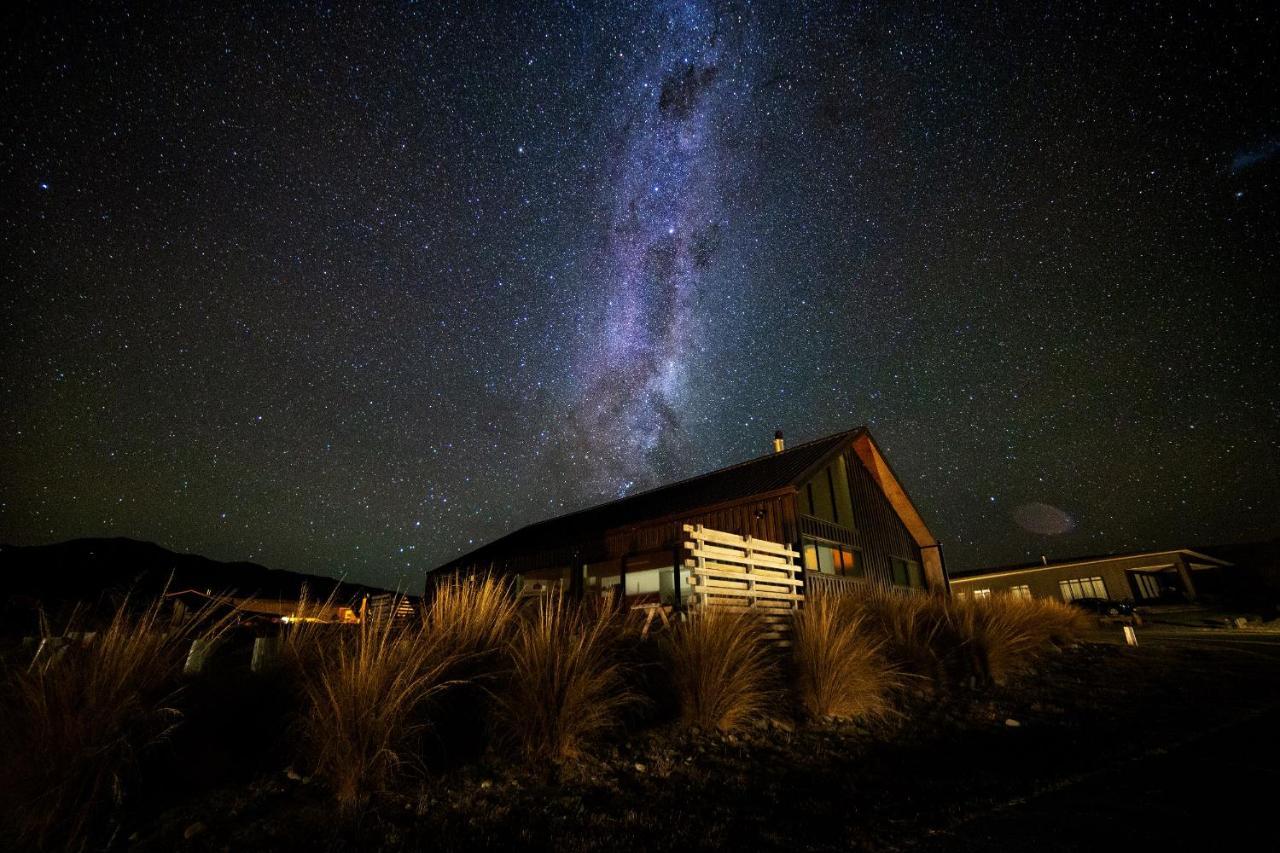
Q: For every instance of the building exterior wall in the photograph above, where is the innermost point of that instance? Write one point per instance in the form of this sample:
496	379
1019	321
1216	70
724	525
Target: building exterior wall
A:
1044	581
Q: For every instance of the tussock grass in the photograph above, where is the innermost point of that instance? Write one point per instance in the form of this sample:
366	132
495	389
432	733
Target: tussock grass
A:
1063	623
475	616
566	685
1003	635
365	692
720	669
839	668
944	639
76	723
917	631
999	636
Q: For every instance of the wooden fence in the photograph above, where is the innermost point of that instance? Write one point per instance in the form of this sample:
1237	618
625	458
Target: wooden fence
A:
741	573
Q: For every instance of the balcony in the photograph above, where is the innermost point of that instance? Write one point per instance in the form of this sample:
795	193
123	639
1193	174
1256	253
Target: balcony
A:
818	585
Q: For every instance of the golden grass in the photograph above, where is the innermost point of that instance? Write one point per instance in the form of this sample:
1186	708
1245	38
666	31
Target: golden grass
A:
365	693
475	615
999	636
990	639
1063	623
566	686
917	632
720	669
839	668
77	722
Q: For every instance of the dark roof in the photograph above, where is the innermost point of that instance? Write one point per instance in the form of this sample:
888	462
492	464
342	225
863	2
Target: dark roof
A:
1067	561
757	476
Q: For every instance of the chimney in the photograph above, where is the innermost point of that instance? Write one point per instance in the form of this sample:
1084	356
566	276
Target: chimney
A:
778	444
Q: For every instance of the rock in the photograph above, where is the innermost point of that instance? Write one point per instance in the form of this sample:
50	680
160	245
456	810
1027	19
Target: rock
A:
1012	723
640	768
193	830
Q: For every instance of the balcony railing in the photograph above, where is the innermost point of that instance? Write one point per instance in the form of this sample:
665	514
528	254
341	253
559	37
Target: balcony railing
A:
811	526
816	585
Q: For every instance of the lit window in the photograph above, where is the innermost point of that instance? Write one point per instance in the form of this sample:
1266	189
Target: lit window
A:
1082	588
982	593
1022	590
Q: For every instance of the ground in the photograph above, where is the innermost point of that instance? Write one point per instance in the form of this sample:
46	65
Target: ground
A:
1105	745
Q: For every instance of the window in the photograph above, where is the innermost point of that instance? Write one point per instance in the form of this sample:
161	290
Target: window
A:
827	495
1148	585
832	559
907	573
1022	590
542	581
981	593
1082	588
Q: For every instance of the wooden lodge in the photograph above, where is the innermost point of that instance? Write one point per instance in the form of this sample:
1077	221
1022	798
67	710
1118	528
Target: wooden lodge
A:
835	501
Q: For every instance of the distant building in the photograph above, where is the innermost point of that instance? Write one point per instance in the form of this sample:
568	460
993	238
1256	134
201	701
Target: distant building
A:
1145	577
834	500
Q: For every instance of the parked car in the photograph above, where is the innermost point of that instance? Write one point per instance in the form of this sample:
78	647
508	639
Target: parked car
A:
1106	608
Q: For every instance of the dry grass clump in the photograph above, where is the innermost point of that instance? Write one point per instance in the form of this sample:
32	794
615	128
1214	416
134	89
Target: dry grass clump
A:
1003	635
76	722
566	685
839	668
917	630
476	616
365	696
987	638
720	669
999	636
1063	623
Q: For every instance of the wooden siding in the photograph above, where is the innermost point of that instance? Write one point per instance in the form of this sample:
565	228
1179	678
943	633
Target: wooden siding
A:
877	529
772	518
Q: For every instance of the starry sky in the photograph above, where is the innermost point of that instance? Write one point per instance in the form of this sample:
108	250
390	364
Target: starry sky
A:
352	288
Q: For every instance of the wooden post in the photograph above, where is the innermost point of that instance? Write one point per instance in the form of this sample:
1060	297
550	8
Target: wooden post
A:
677	563
622	580
266	653
201	648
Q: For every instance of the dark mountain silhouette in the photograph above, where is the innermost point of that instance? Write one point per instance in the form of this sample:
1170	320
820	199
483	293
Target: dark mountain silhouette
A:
87	570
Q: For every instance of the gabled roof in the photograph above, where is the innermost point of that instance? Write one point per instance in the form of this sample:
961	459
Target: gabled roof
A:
763	475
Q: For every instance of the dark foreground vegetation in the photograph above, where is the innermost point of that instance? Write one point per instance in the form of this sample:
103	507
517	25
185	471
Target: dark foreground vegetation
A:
890	722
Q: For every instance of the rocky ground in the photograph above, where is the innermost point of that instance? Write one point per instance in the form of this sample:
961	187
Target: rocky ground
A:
1104	744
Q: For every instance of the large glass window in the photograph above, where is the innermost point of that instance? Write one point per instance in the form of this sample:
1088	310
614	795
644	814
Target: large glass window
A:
543	581
827	495
1021	590
657	584
1082	588
1148	585
832	559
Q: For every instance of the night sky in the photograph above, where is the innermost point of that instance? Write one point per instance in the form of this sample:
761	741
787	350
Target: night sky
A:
354	289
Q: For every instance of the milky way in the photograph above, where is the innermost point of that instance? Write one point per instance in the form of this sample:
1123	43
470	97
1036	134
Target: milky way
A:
665	223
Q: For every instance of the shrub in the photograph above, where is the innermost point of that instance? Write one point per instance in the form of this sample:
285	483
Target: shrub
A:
78	721
839	670
720	669
566	686
365	700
